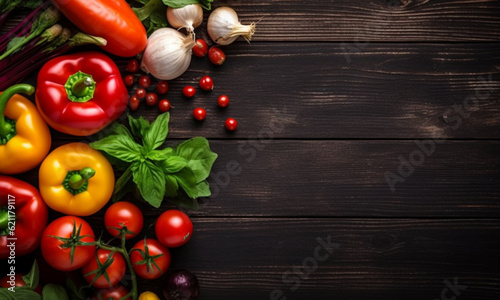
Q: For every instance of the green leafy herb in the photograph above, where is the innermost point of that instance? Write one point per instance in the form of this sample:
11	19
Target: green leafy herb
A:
21	293
156	172
206	4
54	291
31	279
153	14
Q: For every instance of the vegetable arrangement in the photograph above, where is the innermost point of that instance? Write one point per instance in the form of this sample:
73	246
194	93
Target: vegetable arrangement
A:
81	94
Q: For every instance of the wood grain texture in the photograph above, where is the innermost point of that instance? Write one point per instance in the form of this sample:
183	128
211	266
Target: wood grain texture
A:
318	90
369	259
374	20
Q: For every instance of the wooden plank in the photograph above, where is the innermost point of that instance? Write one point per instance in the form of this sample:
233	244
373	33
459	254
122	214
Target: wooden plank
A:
369	259
348	179
316	90
379	20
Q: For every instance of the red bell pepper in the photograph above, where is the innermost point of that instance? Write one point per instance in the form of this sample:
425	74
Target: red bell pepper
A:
23	217
81	93
112	20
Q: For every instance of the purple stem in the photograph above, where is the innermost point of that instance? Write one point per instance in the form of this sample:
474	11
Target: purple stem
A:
3	17
24	26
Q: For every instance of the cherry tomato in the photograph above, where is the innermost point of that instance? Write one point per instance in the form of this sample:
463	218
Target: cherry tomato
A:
216	55
140	93
115	270
18	281
117	292
200	49
164	105
206	83
123	214
231	124
151	99
162	87
129	80
223	101
173	228
133	102
150	258
199	113
57	252
144	81
132	66
188	91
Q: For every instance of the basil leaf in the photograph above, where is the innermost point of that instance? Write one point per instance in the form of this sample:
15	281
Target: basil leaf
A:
173	164
119	146
199	156
138	126
171	186
160	155
20	293
150	181
74	292
120	129
54	292
182	200
193	189
122	184
206	4
31	279
157	133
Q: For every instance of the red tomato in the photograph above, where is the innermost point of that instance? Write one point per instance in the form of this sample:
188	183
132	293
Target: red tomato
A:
199	113
231	124
129	80
173	228
188	91
150	259
134	102
200	49
223	101
17	280
123	214
115	270
206	83
132	66
164	105
216	55
162	87
65	235
151	99
144	81
117	292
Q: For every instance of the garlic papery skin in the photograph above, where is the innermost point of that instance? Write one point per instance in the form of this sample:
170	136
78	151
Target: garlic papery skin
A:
168	53
189	16
224	27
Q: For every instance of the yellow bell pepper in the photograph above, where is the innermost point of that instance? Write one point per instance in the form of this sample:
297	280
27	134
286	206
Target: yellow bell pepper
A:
24	136
75	179
148	296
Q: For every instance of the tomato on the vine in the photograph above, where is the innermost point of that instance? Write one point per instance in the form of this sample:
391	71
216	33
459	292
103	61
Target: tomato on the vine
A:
115	293
150	258
105	270
206	83
68	243
173	228
123	214
199	113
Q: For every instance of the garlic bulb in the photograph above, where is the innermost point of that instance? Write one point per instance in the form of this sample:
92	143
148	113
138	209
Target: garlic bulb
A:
224	27
189	16
168	53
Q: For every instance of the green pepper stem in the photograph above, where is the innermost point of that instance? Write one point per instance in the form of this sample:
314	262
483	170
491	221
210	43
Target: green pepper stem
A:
78	180
4	219
5	127
81	87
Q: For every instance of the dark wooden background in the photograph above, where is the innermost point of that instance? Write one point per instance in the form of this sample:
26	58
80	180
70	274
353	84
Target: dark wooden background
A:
331	96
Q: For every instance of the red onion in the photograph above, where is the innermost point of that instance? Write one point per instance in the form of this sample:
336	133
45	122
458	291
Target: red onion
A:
181	285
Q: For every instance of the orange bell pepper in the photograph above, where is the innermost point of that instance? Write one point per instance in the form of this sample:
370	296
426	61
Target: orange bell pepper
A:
24	136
